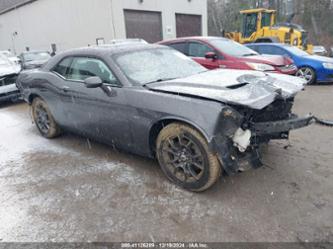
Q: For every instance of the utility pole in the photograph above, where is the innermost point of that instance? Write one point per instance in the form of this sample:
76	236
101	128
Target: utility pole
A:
14	34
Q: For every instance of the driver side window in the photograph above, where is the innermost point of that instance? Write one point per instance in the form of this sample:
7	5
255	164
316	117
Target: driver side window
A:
271	50
84	67
199	50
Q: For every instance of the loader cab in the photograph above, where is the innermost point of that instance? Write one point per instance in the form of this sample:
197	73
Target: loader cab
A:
256	19
249	24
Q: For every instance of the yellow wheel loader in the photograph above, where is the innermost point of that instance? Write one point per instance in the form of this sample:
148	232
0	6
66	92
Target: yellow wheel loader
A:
259	25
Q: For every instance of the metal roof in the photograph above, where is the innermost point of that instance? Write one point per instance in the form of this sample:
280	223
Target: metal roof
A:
8	5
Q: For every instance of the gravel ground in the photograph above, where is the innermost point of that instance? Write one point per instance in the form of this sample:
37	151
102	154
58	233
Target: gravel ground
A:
70	189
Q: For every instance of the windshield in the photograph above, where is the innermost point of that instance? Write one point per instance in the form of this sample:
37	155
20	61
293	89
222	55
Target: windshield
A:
153	65
37	56
296	51
266	19
232	48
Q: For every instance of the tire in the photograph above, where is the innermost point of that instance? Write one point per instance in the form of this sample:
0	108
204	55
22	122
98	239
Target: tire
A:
308	74
44	120
181	149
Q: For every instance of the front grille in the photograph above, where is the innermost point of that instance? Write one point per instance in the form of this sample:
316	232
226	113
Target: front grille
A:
9	94
8	80
278	110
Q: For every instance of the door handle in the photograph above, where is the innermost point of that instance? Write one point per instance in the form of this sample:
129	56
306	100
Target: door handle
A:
223	66
65	89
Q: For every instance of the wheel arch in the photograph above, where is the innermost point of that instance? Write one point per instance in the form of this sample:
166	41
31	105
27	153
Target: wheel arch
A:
32	96
309	66
315	71
157	127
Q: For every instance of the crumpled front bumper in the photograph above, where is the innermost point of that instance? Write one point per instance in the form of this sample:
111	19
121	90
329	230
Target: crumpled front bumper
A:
266	128
234	160
283	126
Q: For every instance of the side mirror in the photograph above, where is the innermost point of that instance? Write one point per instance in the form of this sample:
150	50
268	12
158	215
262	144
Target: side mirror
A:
211	55
93	82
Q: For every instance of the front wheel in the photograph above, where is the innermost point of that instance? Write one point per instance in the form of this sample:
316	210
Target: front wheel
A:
44	119
308	74
186	159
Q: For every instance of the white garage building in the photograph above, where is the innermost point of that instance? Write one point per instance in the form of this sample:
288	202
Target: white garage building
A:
36	24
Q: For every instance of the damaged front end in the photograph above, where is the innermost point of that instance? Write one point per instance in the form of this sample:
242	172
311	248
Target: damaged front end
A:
256	108
242	132
8	89
245	129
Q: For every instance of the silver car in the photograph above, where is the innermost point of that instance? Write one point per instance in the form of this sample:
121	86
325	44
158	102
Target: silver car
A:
8	74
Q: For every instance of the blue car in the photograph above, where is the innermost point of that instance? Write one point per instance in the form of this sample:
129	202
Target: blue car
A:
313	68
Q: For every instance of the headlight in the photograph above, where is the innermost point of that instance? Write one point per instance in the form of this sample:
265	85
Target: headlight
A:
328	65
260	66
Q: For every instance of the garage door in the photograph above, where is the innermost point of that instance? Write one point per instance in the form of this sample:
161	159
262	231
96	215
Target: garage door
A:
188	25
146	25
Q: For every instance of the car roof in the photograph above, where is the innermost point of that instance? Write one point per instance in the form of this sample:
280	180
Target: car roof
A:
109	49
200	38
319	47
101	51
269	44
35	51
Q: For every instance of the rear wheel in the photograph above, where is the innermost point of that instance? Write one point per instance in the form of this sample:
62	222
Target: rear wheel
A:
308	74
44	119
185	158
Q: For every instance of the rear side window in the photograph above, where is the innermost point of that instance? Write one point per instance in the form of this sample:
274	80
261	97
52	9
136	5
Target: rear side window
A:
255	48
181	47
63	67
271	50
198	49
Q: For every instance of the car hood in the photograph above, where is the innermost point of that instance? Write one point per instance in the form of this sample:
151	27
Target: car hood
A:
8	70
319	58
14	59
252	89
274	60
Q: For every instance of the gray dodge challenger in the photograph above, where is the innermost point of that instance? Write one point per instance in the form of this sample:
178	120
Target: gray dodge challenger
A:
154	101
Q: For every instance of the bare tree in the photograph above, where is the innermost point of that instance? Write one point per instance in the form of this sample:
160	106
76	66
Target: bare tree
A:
314	16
